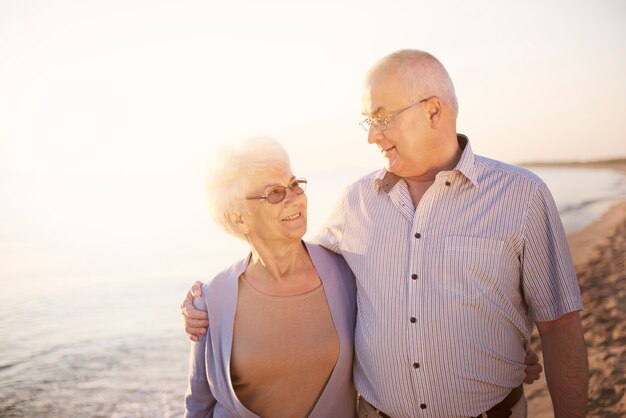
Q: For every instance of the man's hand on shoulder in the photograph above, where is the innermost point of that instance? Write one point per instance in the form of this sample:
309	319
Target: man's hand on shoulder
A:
196	321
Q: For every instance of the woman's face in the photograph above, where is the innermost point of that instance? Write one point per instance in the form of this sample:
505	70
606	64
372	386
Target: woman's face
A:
279	222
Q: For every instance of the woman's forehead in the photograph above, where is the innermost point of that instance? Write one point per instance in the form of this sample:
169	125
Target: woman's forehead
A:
272	176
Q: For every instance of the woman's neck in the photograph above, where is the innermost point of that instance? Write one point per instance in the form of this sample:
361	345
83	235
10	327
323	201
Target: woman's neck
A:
277	260
281	270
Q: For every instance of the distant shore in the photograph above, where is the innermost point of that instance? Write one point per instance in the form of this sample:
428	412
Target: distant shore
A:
616	164
599	253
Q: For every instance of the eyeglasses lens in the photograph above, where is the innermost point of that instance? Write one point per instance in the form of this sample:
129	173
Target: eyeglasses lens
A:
278	194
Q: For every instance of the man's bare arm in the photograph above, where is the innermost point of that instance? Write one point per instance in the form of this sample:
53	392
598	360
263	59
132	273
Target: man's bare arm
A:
196	322
567	369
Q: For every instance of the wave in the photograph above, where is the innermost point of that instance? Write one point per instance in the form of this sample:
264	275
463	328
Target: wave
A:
573	207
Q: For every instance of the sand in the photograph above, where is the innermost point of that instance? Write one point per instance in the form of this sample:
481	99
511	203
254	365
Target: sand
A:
599	253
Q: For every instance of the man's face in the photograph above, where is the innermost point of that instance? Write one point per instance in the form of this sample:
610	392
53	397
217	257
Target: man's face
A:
405	143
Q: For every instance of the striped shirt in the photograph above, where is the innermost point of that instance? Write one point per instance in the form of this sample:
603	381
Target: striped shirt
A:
447	293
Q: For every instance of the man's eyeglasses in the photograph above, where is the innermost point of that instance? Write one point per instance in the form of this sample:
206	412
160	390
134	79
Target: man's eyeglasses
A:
277	194
382	122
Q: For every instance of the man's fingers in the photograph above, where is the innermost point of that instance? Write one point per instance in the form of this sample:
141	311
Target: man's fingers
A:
533	373
530	380
197	323
192	315
190	312
196	289
531	357
189	298
195	331
534	369
194	292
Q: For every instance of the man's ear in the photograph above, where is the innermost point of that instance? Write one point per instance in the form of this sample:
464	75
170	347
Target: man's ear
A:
239	223
434	107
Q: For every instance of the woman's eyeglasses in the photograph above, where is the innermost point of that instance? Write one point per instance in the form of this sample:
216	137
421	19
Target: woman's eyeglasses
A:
277	194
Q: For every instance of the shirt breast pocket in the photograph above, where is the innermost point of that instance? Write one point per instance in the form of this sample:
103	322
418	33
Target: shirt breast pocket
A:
471	265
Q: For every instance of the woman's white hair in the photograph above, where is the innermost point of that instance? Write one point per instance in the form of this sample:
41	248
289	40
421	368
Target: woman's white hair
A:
234	169
424	75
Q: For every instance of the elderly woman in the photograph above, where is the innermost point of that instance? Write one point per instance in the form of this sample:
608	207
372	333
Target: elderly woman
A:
280	338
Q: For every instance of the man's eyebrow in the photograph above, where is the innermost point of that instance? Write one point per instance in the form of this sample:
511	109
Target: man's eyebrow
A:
377	110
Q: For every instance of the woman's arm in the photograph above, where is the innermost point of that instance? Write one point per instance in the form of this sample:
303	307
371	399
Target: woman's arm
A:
199	401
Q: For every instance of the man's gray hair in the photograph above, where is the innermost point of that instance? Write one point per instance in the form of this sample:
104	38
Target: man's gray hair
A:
424	75
233	171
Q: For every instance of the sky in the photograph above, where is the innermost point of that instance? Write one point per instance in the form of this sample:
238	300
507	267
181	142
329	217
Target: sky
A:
110	110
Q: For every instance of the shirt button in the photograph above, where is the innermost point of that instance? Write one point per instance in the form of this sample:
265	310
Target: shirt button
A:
423	406
448	183
416	365
418	235
413	320
414	276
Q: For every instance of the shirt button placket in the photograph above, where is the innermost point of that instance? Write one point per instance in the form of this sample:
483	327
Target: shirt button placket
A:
414	276
416	365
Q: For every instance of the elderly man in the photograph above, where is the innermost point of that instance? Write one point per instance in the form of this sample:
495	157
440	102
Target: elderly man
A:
456	256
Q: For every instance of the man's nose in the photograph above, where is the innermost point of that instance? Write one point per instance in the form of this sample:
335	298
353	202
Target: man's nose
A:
374	135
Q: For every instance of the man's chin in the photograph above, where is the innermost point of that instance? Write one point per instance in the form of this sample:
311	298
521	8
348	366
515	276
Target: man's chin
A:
392	166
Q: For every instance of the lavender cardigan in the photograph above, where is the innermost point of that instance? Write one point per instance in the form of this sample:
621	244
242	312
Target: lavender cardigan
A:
210	392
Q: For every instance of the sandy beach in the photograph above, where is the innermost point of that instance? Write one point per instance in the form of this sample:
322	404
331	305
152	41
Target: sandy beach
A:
599	253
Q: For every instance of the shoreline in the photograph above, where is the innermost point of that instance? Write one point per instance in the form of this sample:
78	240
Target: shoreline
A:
598	251
616	164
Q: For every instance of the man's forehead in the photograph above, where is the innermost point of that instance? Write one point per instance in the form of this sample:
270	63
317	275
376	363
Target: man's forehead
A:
367	101
381	94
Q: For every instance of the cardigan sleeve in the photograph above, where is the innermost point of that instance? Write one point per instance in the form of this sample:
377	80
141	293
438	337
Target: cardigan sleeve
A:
199	401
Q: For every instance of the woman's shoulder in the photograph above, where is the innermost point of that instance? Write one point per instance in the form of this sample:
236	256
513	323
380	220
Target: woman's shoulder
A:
329	262
221	285
320	254
224	277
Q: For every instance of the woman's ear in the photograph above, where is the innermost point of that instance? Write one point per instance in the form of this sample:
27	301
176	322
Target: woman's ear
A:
238	222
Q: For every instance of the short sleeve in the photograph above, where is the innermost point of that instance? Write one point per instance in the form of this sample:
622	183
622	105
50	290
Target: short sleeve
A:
549	280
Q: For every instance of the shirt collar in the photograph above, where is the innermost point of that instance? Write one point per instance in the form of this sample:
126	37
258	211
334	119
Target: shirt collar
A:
466	164
385	180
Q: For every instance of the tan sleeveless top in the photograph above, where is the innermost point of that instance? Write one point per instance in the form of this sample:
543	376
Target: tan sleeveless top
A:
284	350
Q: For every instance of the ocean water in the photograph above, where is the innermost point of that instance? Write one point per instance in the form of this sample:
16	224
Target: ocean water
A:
89	319
582	195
